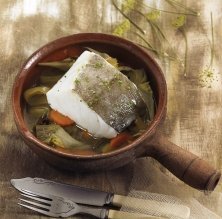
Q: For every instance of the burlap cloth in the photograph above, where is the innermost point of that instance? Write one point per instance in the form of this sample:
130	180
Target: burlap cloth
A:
194	117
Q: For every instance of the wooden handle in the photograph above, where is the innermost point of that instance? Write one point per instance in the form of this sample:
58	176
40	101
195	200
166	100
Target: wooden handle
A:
164	209
127	215
186	166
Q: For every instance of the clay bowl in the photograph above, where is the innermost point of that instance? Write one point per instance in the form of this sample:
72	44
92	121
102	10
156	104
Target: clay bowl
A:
185	165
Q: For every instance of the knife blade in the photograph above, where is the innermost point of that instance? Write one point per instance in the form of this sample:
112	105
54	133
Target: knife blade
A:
93	197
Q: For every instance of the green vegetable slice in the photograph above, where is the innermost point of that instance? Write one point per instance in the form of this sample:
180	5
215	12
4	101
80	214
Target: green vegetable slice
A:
63	65
36	96
38	111
55	135
50	79
137	76
147	96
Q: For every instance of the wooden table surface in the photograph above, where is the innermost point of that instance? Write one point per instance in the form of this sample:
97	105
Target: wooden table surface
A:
194	117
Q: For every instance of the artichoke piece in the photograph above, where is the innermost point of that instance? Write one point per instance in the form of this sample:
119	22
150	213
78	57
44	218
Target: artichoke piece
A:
55	135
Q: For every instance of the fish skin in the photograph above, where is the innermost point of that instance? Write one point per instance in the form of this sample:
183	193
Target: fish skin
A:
109	93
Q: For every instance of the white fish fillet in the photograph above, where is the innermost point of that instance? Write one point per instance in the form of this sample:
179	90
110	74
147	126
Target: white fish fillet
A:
63	99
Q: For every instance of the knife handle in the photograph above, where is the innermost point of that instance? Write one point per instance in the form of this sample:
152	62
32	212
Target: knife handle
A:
164	209
113	214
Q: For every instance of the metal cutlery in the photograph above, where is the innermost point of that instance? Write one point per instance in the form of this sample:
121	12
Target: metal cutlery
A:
55	206
92	197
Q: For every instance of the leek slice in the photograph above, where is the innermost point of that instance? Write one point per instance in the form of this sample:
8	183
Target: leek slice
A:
36	96
137	76
147	95
49	79
63	65
37	111
55	135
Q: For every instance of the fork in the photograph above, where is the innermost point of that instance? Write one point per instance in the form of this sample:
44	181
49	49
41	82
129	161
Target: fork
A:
54	206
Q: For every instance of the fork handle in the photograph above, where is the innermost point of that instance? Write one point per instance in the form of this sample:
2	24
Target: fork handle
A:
112	214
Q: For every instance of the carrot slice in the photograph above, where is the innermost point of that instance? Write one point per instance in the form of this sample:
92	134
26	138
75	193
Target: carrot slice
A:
120	139
86	135
60	119
107	148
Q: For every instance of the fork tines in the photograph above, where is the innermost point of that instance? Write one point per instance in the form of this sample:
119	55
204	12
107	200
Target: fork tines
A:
39	202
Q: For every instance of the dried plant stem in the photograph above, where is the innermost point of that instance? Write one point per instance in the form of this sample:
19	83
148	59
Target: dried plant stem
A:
182	30
159	34
152	24
212	41
207	76
170	12
151	48
157	28
128	18
178	4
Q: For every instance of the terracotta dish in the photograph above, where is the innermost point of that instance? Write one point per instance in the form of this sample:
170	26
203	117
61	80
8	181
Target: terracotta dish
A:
186	166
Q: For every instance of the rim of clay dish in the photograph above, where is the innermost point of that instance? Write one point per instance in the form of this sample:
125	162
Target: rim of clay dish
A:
81	38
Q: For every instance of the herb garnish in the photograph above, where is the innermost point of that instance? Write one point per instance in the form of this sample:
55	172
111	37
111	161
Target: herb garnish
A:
122	28
98	65
179	24
153	15
208	75
77	81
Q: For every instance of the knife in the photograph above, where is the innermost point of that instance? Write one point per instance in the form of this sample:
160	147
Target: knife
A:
87	196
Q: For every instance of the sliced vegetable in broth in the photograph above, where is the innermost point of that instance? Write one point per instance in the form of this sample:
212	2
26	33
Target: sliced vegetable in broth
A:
36	96
63	65
53	134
